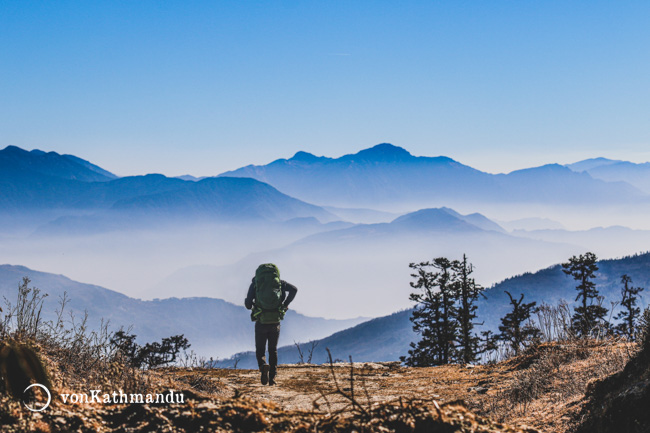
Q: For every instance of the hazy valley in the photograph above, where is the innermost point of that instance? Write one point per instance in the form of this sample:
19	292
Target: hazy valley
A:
154	237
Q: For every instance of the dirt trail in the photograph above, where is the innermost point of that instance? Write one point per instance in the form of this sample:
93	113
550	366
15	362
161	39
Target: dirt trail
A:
544	388
299	386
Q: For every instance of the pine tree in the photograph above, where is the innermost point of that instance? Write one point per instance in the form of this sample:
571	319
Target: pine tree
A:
630	314
514	328
446	282
468	293
587	317
425	318
434	317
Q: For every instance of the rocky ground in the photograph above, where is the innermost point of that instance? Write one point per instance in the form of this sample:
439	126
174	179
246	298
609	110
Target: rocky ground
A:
541	390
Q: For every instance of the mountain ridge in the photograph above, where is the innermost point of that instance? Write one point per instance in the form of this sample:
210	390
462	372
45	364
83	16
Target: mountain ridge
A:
158	318
386	338
636	174
368	260
13	158
386	174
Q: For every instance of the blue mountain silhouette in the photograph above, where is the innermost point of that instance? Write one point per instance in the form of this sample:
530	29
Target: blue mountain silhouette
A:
14	159
65	184
389	175
609	170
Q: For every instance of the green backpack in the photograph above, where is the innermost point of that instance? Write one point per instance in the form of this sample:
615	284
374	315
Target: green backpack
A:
268	295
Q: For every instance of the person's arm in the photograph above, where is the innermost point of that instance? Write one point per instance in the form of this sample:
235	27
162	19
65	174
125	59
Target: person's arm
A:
290	290
250	297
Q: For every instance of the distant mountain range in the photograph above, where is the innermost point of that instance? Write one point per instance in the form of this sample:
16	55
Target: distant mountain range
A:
611	170
389	175
384	176
614	241
215	200
224	198
531	223
15	160
213	327
387	338
63	184
154	236
360	263
190	178
445	219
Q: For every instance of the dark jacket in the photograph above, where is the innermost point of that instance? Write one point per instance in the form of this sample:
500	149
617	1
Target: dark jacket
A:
288	293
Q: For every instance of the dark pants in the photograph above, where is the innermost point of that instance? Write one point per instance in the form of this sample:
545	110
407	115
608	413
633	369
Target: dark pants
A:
267	332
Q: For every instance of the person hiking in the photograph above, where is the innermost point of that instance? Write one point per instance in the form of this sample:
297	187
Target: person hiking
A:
268	298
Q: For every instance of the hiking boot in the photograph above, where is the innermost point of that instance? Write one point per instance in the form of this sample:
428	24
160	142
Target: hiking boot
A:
272	378
265	374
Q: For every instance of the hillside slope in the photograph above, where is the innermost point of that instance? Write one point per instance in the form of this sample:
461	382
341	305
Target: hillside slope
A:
377	340
551	286
215	328
387	338
620	402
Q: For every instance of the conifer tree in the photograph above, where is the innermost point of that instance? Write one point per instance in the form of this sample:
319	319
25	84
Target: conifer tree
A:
468	293
446	282
589	316
630	314
434	317
425	318
514	328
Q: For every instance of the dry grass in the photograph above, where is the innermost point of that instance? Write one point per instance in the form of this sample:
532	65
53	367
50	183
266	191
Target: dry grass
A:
75	356
547	384
544	387
233	400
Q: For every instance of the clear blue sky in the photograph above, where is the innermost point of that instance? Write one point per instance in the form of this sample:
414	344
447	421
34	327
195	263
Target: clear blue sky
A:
202	87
